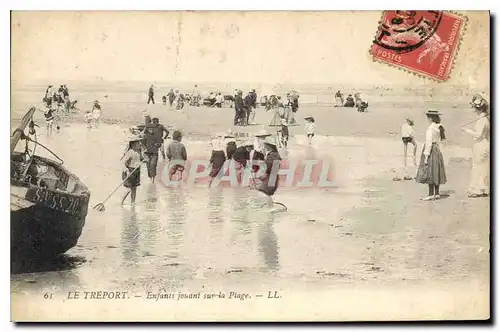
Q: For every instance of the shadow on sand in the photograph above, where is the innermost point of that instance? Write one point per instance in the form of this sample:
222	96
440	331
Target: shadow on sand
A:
60	263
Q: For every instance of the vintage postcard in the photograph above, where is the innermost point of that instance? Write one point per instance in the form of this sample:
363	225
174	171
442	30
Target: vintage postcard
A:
238	166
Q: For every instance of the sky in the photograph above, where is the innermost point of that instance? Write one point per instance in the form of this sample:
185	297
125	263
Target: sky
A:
265	47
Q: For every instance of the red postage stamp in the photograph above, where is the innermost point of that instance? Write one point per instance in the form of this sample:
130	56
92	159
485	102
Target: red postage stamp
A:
422	42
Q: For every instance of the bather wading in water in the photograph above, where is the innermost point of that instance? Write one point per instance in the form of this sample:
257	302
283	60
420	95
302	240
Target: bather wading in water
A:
268	183
176	154
217	158
133	159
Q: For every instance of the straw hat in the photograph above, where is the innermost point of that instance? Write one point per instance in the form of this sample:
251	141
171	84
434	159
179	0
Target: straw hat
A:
134	138
248	143
309	118
479	103
270	140
96	101
432	112
262	134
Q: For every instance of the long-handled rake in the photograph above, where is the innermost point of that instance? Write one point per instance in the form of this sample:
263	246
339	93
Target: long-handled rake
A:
100	207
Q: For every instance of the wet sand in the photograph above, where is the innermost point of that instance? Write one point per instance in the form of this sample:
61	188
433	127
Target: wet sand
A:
367	235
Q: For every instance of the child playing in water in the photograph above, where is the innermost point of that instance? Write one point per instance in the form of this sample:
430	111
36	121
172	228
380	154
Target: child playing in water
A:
310	128
49	119
133	159
217	158
96	113
88	117
176	152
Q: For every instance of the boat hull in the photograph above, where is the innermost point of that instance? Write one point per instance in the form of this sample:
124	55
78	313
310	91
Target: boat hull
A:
38	231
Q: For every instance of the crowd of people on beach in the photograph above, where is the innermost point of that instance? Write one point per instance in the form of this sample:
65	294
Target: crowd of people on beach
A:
147	142
351	101
56	104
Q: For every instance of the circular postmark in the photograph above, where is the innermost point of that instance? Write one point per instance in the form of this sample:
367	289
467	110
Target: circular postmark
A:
406	30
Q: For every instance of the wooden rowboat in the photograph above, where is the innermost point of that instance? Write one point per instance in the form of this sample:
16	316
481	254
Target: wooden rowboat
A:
48	204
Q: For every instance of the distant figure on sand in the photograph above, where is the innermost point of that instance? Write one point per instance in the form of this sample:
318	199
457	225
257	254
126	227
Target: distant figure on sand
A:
171	98
431	170
177	155
339	99
239	109
88	117
96	113
408	136
132	159
151	94
479	185
310	128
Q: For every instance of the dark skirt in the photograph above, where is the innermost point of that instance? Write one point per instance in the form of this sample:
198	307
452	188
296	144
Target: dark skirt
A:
407	140
217	161
134	180
266	187
434	172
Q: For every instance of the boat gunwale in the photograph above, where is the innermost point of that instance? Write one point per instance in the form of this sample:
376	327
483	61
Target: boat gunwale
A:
84	192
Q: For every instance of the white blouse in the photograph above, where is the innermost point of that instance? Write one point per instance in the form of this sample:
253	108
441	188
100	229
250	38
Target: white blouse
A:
432	135
481	130
310	127
133	158
407	130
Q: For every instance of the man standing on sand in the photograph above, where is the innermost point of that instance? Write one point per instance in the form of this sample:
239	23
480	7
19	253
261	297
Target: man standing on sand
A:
151	94
239	108
247	102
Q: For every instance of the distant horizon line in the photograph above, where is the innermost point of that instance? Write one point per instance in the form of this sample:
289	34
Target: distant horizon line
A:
276	84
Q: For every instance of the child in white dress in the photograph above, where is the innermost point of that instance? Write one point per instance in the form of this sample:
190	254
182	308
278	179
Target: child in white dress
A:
310	128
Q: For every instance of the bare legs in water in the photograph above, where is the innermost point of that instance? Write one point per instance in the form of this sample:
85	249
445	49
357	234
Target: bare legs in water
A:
132	192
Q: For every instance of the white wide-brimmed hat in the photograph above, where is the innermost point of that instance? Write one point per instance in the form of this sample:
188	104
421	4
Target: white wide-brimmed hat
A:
270	140
432	112
134	138
262	133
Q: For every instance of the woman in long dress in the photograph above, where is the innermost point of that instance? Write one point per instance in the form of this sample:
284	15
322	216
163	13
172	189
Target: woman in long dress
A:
431	170
479	178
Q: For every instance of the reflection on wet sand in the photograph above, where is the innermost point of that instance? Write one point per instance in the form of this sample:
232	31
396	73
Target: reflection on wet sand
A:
177	213
268	243
151	226
130	236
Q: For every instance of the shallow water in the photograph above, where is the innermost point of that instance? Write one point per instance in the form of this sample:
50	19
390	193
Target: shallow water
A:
188	233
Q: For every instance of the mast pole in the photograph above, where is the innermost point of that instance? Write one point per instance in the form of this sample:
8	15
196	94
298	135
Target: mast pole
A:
19	131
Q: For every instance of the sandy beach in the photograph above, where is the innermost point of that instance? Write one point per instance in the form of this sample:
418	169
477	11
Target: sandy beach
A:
369	232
